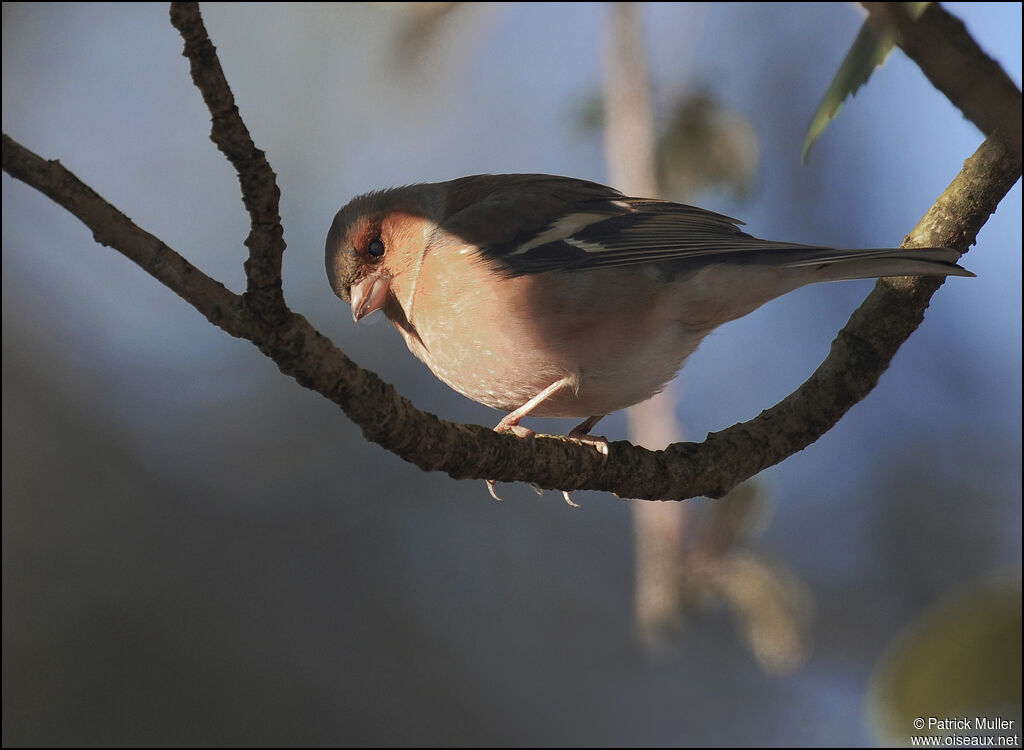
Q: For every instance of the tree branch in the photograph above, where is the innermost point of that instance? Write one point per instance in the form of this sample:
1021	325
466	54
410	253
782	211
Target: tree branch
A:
112	228
954	63
260	193
859	354
865	346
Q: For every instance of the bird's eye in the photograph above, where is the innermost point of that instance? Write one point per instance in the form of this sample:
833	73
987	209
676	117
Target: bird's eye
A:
375	249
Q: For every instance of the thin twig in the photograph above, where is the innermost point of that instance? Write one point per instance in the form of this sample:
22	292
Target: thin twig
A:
260	193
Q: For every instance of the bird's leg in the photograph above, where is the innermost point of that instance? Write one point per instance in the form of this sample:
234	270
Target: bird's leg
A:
510	423
581	432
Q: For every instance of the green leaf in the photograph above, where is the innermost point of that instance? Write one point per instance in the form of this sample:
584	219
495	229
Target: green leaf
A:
869	51
960	657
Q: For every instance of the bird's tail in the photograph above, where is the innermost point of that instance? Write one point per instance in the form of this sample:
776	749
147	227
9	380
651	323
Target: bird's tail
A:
839	265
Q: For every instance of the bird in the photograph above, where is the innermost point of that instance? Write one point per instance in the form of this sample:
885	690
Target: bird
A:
560	297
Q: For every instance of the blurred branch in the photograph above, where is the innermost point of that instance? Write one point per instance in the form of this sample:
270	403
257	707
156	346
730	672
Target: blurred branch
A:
628	112
859	355
954	63
629	143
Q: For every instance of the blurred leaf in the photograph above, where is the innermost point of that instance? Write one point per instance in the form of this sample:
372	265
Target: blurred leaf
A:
588	114
419	27
702	147
869	51
962	657
771	604
705	147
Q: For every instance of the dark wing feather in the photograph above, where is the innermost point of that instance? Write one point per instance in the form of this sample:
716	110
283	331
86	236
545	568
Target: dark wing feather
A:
502	214
526	224
531	223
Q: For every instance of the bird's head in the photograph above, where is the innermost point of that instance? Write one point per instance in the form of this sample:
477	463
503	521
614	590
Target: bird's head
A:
375	239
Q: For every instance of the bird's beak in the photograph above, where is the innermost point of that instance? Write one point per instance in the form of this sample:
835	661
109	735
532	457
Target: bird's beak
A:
368	295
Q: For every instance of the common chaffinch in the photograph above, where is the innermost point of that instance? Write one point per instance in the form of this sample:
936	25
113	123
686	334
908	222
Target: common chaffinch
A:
558	297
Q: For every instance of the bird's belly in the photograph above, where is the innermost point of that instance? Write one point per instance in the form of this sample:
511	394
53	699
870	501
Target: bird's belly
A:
499	352
507	381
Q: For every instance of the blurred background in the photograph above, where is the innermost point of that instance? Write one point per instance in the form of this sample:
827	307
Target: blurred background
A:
198	551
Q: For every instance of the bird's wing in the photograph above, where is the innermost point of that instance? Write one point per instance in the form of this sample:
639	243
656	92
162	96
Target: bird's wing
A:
525	224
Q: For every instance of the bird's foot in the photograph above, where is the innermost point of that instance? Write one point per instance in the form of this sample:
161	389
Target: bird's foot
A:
510	424
581	434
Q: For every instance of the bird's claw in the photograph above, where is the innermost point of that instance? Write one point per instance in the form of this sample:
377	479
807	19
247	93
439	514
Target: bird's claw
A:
520	431
579	434
599	443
